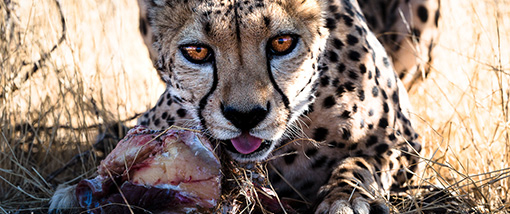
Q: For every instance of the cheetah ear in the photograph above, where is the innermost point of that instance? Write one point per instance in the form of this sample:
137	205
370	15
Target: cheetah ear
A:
146	29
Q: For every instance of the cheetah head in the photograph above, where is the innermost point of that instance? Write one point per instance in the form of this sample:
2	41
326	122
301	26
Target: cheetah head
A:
246	70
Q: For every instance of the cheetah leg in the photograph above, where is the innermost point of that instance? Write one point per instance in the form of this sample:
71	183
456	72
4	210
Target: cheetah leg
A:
417	19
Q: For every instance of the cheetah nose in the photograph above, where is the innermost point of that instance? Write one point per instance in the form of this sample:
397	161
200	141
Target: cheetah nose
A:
245	120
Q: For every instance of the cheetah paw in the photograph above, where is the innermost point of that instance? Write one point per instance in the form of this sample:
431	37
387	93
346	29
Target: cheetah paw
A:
356	206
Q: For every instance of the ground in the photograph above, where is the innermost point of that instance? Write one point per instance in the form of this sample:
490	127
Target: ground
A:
95	74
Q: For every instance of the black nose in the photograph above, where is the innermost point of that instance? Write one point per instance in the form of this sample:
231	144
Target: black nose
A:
245	120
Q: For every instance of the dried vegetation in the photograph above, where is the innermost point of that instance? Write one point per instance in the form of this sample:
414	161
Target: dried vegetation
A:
73	69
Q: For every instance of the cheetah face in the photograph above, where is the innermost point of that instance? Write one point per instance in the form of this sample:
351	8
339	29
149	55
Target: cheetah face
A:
246	70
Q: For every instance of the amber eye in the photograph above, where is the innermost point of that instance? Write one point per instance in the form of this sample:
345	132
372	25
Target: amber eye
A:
196	53
281	45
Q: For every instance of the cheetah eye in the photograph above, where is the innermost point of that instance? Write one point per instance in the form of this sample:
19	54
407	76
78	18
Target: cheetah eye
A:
281	45
197	54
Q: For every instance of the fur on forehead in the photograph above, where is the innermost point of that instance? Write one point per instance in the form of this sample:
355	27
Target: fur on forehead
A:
168	16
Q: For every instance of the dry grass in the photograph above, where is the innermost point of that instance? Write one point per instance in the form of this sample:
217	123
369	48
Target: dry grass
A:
101	74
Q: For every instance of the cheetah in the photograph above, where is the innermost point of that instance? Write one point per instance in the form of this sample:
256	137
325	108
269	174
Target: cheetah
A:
313	87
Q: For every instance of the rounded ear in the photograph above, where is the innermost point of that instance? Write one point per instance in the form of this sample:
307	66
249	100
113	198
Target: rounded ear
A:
146	29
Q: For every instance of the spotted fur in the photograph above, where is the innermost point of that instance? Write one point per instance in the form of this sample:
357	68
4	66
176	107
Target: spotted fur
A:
333	111
339	87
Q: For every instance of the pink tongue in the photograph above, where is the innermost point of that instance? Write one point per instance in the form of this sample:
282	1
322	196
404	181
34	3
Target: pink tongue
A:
246	143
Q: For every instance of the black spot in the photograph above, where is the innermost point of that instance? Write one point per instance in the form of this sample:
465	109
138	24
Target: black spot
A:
164	115
361	95
144	123
362	68
423	13
346	134
353	75
289	158
389	83
338	44
267	21
346	114
335	82
157	122
333	57
320	134
372	140
329	102
354	56
355	108
347	20
436	18
349	86
340	90
386	107
394	97
375	91
377	72
407	132
333	8
385	96
177	99
324	81
319	162
330	23
207	27
311	152
181	112
392	137
386	62
170	121
360	164
341	68
415	136
369	74
371	112
352	40
342	171
143	26
383	123
160	102
382	148
409	175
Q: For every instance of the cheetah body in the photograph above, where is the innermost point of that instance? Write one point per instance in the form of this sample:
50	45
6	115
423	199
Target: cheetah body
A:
338	87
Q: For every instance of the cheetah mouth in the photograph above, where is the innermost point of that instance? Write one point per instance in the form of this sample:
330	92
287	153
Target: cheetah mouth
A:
246	144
